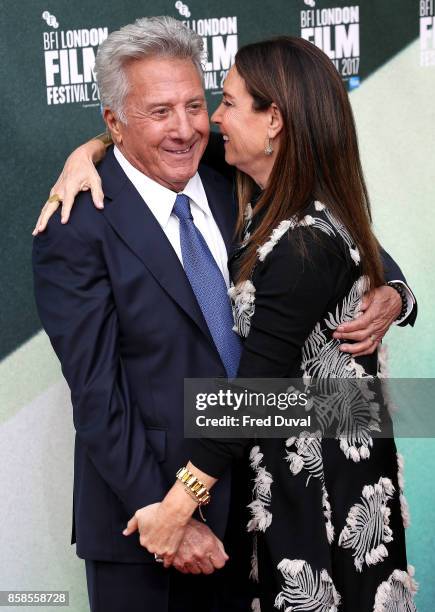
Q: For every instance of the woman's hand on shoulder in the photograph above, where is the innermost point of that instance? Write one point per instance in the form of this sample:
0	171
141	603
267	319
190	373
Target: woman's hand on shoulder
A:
78	174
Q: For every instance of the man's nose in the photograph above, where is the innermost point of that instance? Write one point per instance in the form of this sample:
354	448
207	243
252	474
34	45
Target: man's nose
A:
182	126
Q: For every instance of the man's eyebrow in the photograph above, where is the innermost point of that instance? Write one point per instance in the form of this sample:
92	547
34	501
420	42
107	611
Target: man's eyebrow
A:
227	94
199	98
154	103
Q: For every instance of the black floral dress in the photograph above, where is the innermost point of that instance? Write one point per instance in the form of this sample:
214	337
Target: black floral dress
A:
327	516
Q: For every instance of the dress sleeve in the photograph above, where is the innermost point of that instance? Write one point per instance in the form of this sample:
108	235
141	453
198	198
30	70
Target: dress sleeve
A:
298	281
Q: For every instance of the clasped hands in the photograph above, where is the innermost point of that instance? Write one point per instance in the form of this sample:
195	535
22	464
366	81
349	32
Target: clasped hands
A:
179	540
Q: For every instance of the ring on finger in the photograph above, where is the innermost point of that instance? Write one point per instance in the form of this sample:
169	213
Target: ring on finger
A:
54	198
158	558
373	338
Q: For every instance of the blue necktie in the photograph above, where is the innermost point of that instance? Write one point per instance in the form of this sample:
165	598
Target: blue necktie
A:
209	287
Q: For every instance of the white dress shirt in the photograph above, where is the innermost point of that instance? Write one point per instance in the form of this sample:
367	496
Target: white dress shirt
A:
160	200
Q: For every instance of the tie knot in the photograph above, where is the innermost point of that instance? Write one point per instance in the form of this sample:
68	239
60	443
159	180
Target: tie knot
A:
182	207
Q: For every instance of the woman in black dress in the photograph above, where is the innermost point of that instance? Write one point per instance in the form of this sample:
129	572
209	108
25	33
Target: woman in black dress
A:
327	515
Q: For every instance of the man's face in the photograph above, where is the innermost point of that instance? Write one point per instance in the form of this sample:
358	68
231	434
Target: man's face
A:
167	122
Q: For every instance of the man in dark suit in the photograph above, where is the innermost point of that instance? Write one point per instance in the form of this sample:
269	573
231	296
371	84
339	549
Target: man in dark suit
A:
130	318
126	324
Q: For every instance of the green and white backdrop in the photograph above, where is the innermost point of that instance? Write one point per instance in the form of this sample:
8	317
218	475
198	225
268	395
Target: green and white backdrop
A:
384	50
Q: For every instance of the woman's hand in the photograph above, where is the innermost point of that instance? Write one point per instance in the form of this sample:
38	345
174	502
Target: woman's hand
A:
162	526
78	174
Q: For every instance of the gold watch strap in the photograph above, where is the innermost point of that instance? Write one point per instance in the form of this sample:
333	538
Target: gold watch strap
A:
194	487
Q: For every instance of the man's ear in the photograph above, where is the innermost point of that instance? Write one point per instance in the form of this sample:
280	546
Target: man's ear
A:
275	121
114	125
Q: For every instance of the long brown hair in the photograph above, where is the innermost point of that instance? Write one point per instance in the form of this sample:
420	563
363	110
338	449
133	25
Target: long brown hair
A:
318	157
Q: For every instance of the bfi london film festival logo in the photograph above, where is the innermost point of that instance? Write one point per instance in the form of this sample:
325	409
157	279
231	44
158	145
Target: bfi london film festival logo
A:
69	59
335	30
220	36
427	32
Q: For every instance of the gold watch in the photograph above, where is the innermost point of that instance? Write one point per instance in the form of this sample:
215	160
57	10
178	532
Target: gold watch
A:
195	488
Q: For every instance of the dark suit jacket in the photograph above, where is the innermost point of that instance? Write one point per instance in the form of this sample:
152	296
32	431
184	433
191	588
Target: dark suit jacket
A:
124	322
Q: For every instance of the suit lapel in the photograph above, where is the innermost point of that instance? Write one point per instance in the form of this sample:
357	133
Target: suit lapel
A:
135	224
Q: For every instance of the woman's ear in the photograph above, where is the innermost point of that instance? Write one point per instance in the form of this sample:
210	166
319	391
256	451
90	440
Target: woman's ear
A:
275	121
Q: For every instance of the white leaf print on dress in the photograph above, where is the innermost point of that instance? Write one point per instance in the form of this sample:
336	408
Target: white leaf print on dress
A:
243	302
343	232
255	605
404	508
359	416
347	411
304	589
397	593
350	307
367	525
261	516
321	357
279	231
356	415
308	456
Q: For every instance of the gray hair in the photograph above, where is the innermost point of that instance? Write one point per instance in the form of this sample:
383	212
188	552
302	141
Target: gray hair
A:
146	37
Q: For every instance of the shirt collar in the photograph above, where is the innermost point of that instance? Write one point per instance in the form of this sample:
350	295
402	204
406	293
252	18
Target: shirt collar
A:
159	199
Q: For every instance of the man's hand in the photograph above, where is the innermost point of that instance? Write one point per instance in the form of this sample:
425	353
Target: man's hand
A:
200	550
379	308
78	174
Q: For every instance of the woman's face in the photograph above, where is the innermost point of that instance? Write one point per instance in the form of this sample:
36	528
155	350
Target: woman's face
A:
245	131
